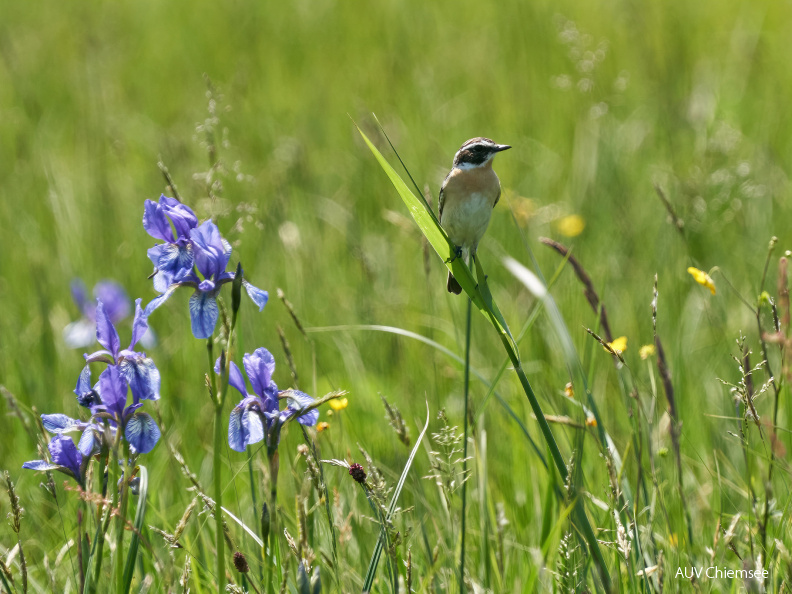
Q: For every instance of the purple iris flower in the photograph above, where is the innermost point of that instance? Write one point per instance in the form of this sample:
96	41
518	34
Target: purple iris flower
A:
140	429
126	369
258	415
171	221
60	424
107	400
136	368
210	255
66	458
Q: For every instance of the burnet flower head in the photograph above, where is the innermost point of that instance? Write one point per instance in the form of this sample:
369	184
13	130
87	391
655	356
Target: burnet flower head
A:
193	256
258	415
127	370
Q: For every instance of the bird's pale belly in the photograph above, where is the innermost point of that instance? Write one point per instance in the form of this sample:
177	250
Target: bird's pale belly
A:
467	221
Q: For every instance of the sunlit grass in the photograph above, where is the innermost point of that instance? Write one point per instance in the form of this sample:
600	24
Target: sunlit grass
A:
602	102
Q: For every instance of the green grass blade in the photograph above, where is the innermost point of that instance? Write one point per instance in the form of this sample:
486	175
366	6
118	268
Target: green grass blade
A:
244	527
140	516
375	557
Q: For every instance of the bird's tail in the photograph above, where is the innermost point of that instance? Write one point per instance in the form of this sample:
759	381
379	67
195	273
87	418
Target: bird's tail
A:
453	285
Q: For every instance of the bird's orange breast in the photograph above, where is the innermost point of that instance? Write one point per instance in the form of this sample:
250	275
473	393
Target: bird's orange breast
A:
467	182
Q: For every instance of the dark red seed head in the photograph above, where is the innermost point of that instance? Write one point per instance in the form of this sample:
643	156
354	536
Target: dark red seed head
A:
356	472
241	563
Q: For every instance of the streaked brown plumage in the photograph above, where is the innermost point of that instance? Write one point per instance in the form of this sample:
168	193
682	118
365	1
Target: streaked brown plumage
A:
469	193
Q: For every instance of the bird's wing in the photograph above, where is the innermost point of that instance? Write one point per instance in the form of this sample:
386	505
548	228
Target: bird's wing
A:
494	204
441	197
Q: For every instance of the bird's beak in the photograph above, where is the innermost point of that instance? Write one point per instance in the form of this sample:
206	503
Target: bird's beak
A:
502	147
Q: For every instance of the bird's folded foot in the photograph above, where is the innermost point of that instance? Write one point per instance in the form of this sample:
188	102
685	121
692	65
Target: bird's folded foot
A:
457	254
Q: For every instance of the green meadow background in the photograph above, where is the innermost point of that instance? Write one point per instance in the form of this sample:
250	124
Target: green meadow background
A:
600	100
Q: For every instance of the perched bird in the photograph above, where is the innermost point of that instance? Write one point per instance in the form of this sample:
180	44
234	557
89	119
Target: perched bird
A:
468	194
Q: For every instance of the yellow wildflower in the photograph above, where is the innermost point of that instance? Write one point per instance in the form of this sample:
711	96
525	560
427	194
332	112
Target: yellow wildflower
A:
571	225
702	278
338	403
673	540
569	390
619	345
591	422
322	426
647	351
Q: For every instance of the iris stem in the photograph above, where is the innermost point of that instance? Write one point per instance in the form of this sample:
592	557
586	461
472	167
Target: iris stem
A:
274	466
218	489
217	470
123	489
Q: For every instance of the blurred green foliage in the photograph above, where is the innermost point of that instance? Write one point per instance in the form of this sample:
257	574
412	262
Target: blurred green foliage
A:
600	100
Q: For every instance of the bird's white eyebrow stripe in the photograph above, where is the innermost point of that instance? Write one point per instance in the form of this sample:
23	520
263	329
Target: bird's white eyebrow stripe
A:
479	144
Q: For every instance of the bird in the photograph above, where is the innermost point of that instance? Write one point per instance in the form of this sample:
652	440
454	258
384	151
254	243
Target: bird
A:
469	193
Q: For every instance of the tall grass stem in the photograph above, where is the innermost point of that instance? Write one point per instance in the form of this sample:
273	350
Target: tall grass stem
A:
465	441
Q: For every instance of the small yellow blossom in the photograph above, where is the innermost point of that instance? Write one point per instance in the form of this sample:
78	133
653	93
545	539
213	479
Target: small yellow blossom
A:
338	403
569	390
571	225
619	345
647	351
322	426
591	422
673	539
702	278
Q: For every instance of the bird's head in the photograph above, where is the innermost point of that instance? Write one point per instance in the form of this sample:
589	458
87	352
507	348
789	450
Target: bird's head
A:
477	152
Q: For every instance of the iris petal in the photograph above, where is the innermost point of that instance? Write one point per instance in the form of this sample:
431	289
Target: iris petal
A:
254	428
235	377
88	443
65	453
258	296
113	390
155	222
211	250
142	432
259	366
114	299
106	333
142	376
80	295
57	423
139	324
83	382
236	439
40	465
181	215
203	314
299	400
157	301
